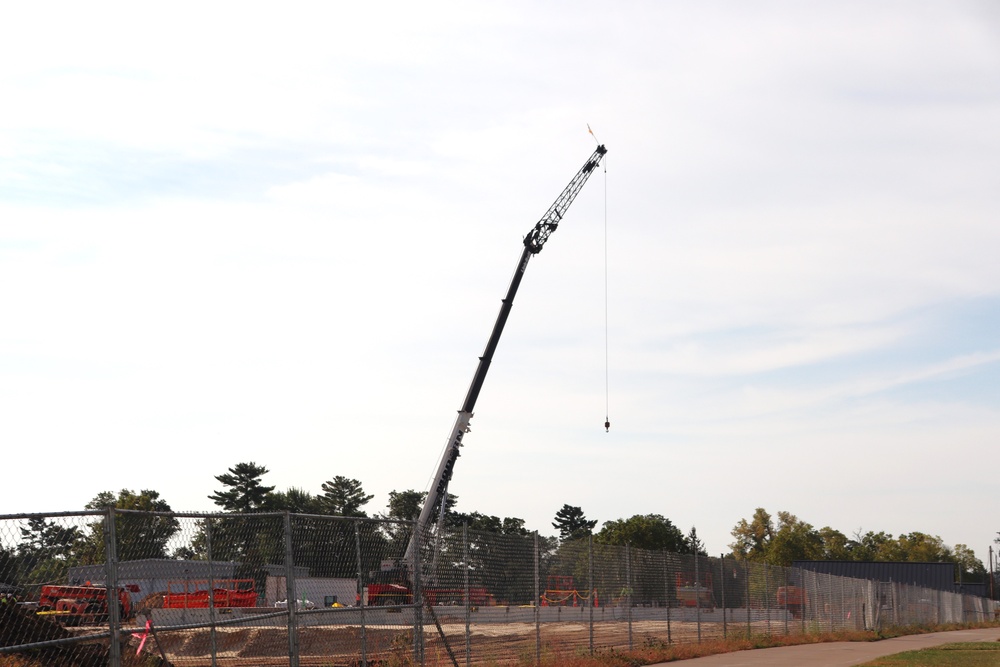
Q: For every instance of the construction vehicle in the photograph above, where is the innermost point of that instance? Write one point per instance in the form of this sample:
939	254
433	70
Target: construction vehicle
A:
82	605
438	492
694	591
196	594
391	586
792	598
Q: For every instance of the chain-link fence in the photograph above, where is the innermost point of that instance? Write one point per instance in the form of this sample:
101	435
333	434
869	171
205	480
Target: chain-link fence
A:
120	587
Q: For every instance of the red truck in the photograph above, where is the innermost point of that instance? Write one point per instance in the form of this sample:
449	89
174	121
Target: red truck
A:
83	605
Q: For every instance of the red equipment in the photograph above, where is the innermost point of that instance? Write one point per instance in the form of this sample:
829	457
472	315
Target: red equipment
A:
195	594
792	598
560	591
694	593
81	605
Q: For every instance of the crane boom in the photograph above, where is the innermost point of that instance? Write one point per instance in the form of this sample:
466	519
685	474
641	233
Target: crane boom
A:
533	243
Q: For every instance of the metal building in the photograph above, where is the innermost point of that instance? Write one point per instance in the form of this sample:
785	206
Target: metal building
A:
152	575
939	576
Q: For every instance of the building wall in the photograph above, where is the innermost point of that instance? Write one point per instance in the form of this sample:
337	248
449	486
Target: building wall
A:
314	589
939	576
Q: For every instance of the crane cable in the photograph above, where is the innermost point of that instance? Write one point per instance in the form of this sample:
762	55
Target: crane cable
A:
607	389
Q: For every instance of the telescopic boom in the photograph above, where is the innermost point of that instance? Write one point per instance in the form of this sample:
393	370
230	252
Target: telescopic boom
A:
533	243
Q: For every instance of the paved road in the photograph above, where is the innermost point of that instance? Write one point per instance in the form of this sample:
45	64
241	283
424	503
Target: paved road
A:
836	654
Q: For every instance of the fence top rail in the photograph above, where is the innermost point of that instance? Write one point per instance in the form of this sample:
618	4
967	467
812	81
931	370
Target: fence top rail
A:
51	515
199	515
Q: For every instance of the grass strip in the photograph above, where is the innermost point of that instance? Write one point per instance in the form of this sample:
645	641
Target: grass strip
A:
963	654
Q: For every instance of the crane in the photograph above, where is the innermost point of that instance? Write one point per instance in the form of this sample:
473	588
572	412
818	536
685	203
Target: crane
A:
533	243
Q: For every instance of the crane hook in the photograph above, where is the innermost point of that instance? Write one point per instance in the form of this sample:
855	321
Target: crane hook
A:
607	426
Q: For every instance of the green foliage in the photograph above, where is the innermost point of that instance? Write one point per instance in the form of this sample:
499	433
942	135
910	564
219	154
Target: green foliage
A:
644	531
47	551
344	497
405	505
693	543
487	523
138	536
296	501
753	537
244	491
761	540
572	524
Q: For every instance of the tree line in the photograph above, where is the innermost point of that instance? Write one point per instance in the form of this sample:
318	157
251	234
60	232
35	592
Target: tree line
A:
787	538
47	548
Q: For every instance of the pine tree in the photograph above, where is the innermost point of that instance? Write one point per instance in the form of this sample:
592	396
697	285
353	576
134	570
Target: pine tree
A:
572	524
245	493
344	497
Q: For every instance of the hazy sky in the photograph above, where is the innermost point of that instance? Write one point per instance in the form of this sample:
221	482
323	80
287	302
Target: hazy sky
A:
280	234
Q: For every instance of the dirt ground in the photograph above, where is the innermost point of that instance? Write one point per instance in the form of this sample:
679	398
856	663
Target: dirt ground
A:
490	643
340	645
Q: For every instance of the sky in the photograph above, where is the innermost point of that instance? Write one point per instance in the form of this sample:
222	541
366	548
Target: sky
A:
249	232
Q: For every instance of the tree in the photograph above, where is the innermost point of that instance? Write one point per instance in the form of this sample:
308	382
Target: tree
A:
572	524
753	537
48	549
791	539
693	544
487	523
836	545
970	567
871	546
244	492
344	497
138	536
645	531
250	541
296	501
405	505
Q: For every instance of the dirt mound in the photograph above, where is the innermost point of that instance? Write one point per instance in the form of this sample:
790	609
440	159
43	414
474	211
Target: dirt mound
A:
19	625
151	601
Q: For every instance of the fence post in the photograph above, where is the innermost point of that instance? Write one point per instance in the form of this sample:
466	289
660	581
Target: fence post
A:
628	590
290	597
784	605
357	556
593	589
537	600
111	588
840	613
417	600
767	603
468	604
213	647
697	593
805	598
722	582
666	592
746	572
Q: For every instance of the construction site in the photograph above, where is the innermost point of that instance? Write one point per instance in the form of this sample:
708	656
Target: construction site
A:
464	597
286	589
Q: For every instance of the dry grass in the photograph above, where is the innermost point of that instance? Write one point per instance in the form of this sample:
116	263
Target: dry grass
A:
655	652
